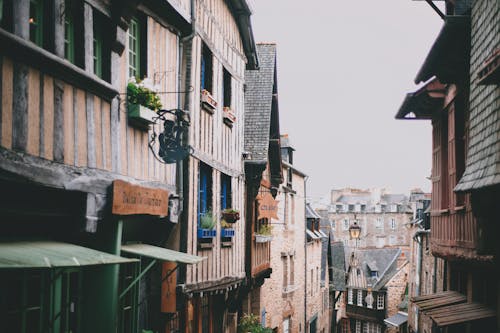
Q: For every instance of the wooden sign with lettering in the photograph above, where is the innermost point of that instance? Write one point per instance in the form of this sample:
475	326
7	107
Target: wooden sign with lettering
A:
268	207
129	199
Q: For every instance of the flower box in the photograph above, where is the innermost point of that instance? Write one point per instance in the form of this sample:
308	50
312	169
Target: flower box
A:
229	117
230	216
208	102
141	115
206	233
263	238
227	232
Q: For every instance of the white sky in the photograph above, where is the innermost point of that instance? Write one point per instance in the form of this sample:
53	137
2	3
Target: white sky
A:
344	68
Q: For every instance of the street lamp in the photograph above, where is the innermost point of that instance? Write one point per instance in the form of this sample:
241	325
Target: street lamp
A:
355	230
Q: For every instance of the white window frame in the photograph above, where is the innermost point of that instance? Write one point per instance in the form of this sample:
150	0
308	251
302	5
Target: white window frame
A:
345	225
393	223
360	297
332	224
358	326
379	223
380	301
349	296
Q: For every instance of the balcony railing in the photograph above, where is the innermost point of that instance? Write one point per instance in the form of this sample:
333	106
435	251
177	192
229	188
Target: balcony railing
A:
261	257
454	234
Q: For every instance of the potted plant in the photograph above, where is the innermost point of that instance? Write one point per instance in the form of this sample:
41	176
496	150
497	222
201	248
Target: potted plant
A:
230	215
250	323
207	101
229	116
227	230
142	102
264	233
207	226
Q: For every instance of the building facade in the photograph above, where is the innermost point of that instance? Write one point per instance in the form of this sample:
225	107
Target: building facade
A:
382	217
71	142
459	94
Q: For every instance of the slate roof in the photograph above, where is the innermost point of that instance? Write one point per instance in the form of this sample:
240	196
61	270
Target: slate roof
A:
258	103
311	213
385	261
338	266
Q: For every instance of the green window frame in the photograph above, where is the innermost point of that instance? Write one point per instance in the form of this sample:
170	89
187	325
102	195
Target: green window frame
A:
134	48
98	45
69	32
36	22
1	10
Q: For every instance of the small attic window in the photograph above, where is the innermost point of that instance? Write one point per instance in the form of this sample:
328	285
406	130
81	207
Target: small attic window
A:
374	274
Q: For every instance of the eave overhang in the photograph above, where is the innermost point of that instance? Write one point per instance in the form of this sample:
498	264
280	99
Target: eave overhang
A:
242	13
448	58
423	103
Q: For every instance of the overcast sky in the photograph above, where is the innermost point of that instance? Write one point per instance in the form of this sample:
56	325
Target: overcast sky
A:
344	68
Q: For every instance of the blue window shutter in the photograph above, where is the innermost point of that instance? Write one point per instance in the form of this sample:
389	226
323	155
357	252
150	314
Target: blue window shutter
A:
202	78
223	194
263	317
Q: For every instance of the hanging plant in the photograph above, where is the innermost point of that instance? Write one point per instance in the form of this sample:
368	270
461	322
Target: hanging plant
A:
143	93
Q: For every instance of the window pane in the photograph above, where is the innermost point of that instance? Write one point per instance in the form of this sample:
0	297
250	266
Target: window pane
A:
134	48
69	32
36	22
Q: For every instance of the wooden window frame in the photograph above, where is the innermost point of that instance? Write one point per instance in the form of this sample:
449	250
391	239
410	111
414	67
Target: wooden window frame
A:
206	69
137	34
36	18
380	301
227	89
69	31
359	297
350	296
205	178
226	192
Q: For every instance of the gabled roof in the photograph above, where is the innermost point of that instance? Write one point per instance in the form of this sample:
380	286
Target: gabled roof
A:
385	260
258	104
311	213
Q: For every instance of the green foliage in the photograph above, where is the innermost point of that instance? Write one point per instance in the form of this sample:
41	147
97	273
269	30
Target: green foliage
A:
265	230
230	211
224	224
139	93
250	323
207	221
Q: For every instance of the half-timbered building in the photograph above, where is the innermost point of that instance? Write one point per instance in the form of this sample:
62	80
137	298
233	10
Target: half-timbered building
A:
216	54
460	97
81	189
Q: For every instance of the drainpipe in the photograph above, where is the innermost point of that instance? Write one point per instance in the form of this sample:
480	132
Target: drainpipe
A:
182	165
305	256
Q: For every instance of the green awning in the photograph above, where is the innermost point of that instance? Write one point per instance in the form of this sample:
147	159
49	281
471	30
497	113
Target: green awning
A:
161	253
49	254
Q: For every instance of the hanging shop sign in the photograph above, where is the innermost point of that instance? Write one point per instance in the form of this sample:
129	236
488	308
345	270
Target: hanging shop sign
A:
129	199
267	207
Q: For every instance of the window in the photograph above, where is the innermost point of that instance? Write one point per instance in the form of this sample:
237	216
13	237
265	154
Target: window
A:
380	301
358	326
225	192
36	21
137	48
378	208
1	11
127	321
360	298
351	208
339	208
227	94
332	224
392	240
69	31
284	260
370	327
29	296
206	69
393	224
349	296
379	223
394	208
292	268
292	209
204	189
346	224
98	46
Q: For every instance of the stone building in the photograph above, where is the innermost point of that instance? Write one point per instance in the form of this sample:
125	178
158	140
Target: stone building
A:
376	284
382	217
283	295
